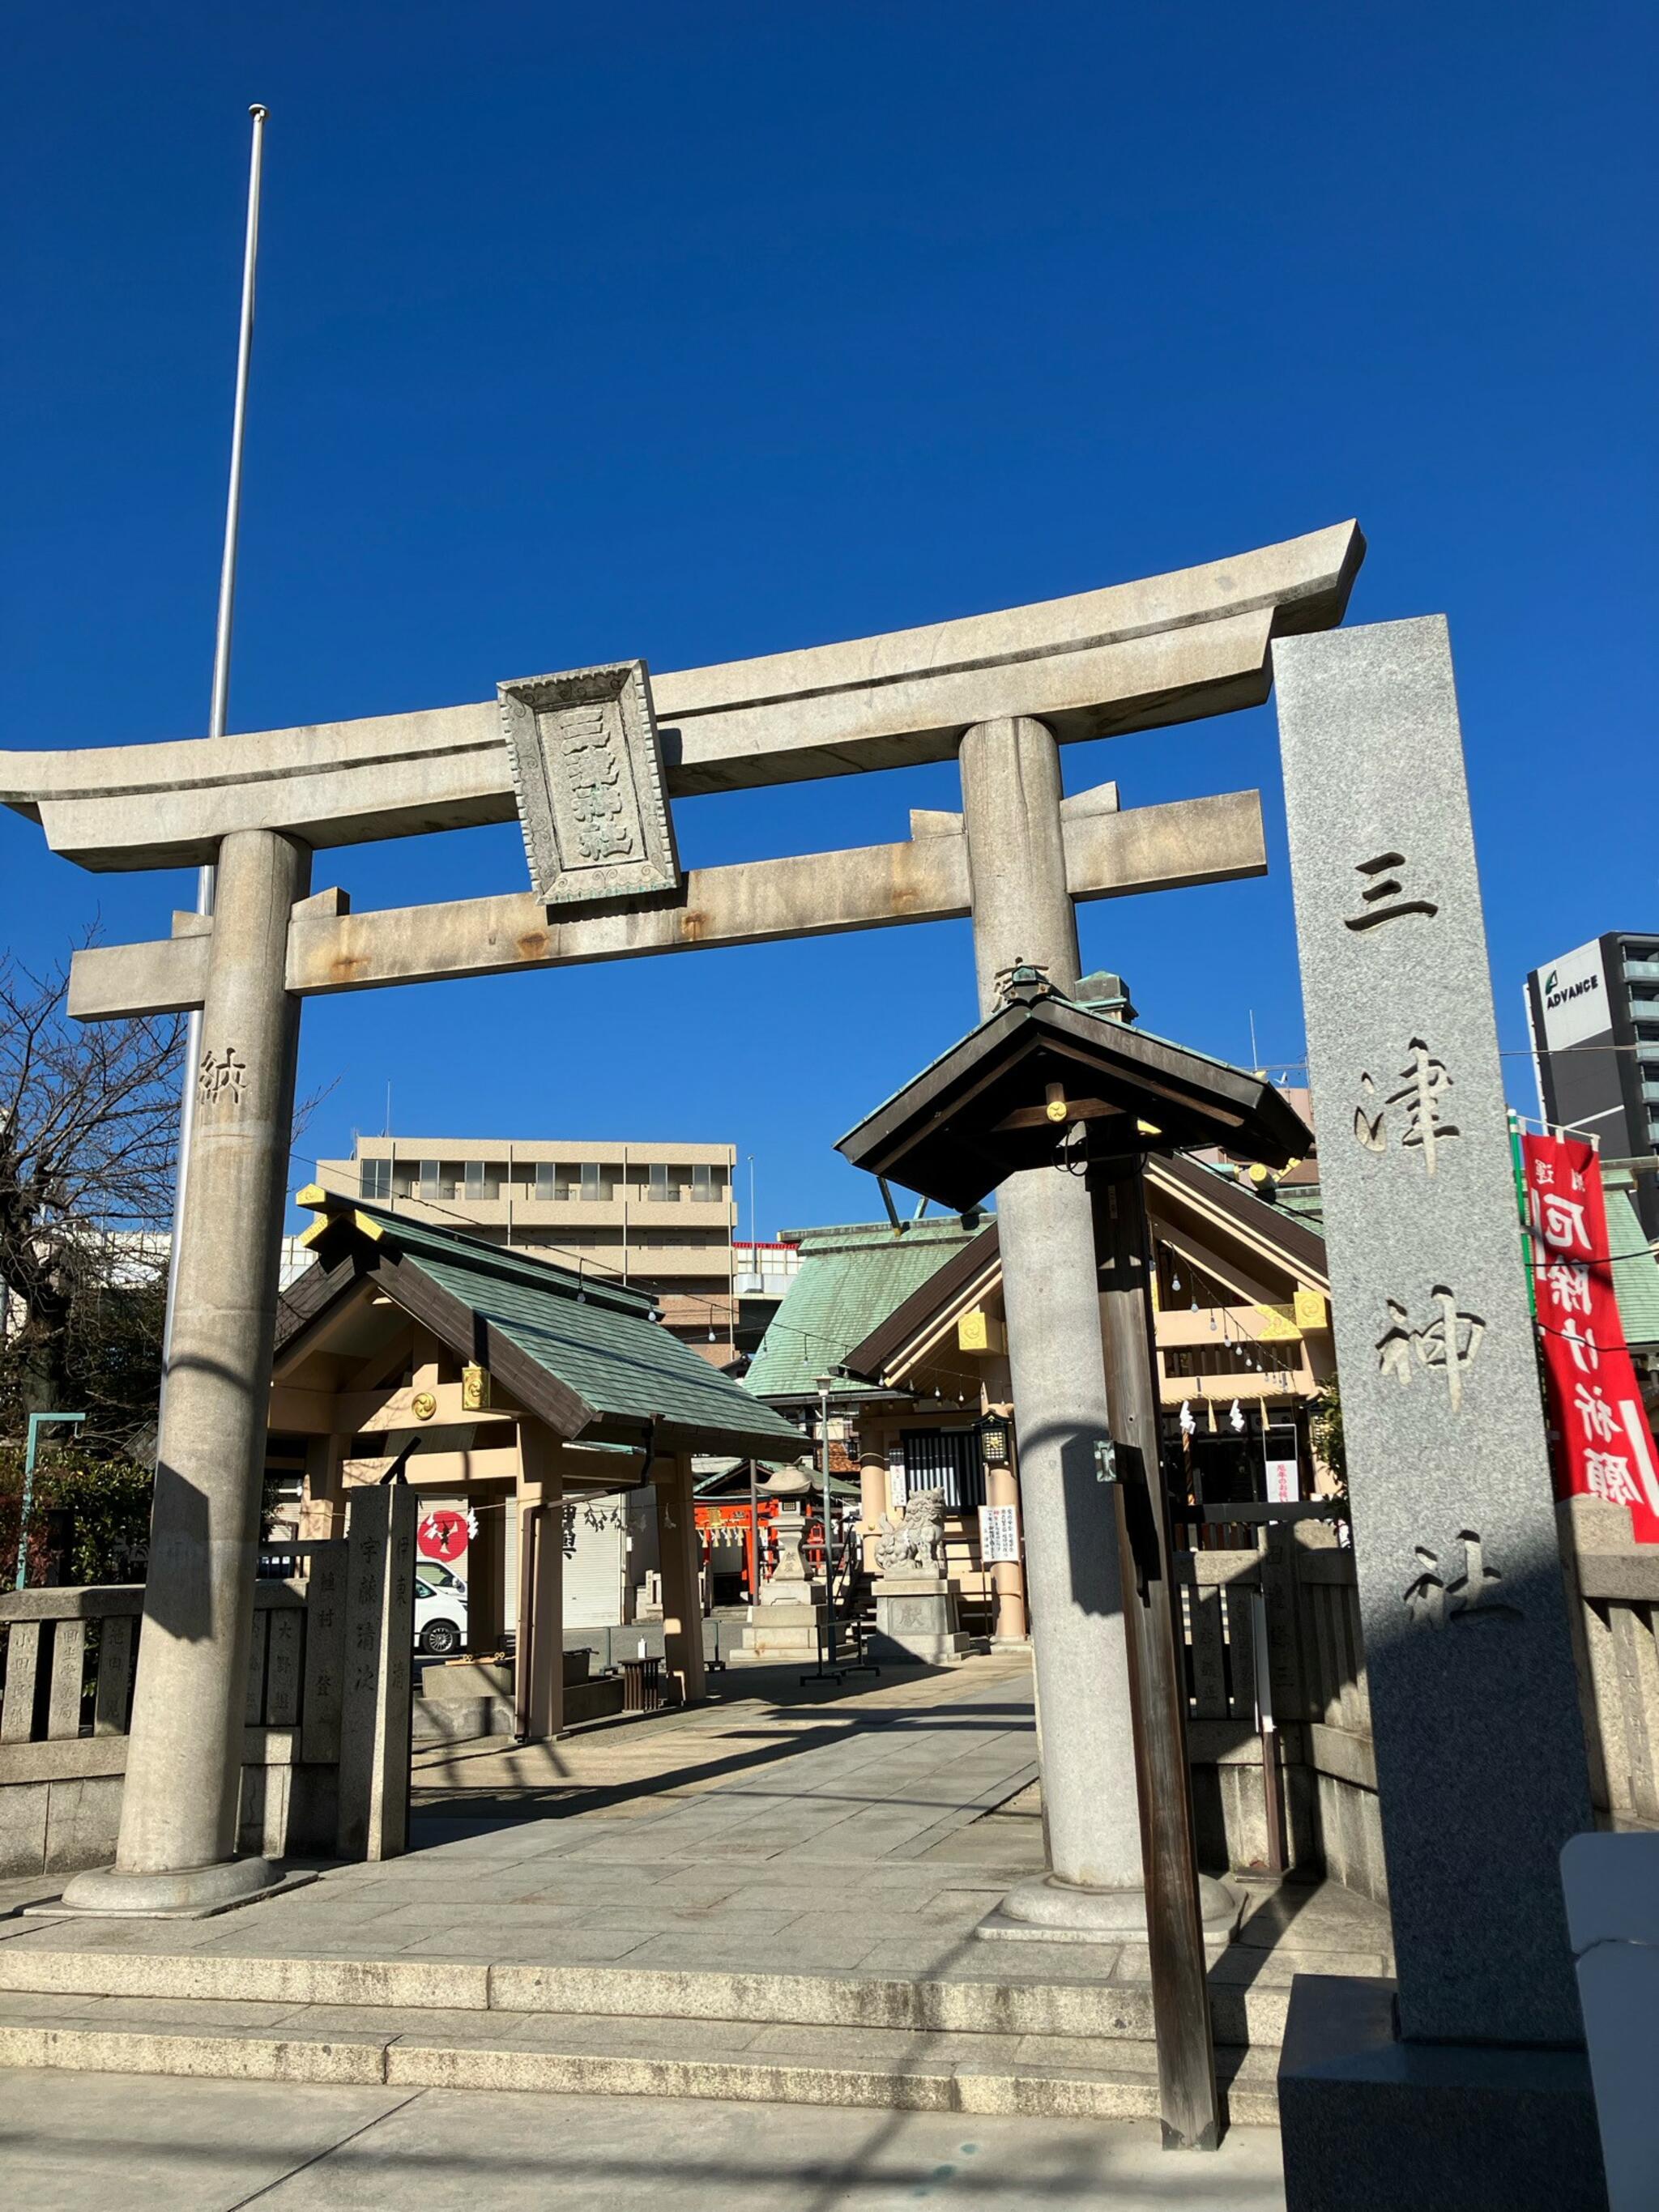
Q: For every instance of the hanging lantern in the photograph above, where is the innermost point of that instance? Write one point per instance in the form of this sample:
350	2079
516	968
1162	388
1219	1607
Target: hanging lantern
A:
993	1440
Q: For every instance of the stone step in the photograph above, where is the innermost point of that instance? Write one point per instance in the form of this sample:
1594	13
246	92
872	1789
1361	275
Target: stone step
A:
1012	2001
1057	2077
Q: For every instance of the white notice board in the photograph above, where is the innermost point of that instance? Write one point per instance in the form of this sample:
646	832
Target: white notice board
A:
896	1489
1283	1483
999	1533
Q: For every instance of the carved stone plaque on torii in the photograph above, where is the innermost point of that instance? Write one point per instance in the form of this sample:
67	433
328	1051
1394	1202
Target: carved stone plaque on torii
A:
589	761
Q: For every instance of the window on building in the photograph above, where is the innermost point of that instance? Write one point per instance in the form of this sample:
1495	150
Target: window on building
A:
547	1179
374	1179
704	1185
657	1185
429	1180
590	1184
474	1183
947	1459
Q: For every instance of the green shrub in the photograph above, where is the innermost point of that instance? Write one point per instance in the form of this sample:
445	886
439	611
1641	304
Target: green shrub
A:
109	1501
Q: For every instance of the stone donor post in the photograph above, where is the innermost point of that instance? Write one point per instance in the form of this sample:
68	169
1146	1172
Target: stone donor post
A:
1472	2088
373	1807
179	1809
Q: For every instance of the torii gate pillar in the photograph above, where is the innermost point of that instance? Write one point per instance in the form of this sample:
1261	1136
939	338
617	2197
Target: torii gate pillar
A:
179	1809
1022	911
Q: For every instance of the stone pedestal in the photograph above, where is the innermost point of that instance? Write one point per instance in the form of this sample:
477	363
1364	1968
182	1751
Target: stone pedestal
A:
786	1632
917	1618
786	1624
1368	2119
1045	1910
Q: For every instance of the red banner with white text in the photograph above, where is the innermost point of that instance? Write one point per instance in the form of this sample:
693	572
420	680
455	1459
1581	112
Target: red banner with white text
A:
1600	1443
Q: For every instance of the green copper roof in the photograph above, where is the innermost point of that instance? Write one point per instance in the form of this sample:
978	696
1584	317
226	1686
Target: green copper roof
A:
594	1336
1635	1270
850	1280
1305	1202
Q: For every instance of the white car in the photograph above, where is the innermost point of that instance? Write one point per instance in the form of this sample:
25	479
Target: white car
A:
439	1609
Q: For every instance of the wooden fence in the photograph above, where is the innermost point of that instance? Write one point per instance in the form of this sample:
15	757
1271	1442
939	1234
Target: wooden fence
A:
326	1723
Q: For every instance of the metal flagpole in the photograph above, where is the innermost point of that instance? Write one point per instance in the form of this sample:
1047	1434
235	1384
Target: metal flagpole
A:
218	711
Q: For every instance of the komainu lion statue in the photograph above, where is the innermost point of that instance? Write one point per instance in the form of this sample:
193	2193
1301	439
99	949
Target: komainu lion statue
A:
918	1540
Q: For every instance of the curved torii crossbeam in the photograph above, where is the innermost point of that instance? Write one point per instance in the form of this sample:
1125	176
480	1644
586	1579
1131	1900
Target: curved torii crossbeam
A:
1131	657
1137	656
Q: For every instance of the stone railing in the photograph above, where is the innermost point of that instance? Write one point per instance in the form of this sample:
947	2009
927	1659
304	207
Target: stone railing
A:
1615	1622
1316	1668
326	1723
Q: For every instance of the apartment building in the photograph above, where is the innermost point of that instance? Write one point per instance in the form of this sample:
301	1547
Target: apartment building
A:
659	1217
1595	1019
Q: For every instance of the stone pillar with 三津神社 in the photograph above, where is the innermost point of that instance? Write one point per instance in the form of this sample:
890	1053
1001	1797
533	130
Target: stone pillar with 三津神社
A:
1465	2072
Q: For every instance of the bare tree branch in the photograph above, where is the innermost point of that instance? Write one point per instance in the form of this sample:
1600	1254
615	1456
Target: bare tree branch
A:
87	1134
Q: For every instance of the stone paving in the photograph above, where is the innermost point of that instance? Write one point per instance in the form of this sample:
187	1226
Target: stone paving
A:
772	1897
214	2146
772	1829
741	1832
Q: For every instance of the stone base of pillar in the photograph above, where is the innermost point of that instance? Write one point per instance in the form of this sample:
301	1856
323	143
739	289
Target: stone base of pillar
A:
189	1894
1366	2119
784	1632
917	1619
1046	1910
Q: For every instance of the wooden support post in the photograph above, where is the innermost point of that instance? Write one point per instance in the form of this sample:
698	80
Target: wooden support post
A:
1181	1997
541	1670
682	1598
1006	1578
524	1627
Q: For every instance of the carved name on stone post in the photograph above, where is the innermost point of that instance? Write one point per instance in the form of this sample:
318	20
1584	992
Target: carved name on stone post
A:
377	1686
1479	1750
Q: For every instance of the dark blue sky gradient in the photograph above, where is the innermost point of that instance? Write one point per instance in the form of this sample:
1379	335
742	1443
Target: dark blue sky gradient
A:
695	333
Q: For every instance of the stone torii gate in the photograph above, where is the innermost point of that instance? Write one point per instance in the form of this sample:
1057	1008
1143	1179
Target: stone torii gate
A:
588	761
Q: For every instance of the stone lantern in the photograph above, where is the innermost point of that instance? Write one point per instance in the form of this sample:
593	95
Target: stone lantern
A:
786	1623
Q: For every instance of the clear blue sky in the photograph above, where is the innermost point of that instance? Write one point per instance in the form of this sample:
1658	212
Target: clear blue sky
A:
691	332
